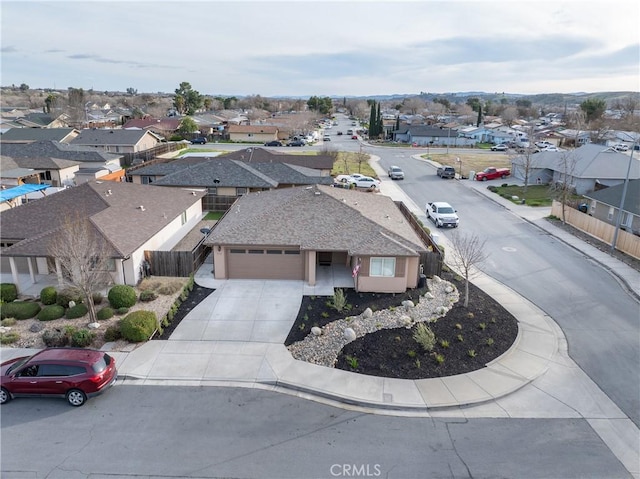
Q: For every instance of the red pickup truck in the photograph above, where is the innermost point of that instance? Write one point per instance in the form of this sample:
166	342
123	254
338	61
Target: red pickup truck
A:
492	173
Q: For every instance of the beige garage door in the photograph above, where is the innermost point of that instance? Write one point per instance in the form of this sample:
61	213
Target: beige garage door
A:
265	264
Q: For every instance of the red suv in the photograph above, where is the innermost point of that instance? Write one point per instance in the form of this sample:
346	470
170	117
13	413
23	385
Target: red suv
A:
72	373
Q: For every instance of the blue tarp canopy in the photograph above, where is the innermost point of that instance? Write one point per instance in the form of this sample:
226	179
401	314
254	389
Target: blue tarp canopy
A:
11	193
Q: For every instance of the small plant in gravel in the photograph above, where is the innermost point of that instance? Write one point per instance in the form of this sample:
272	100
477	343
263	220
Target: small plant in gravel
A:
444	343
51	312
489	342
54	338
82	338
147	295
460	338
471	353
352	361
48	295
69	294
411	353
470	315
77	311
105	313
122	296
339	300
418	363
482	326
8	322
309	308
424	337
458	326
439	358
493	321
8	338
97	297
325	314
301	327
305	318
112	333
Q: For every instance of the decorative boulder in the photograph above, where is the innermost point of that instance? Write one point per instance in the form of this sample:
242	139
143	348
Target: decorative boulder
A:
436	279
406	321
449	289
349	334
4	329
408	304
367	313
72	304
428	295
316	331
441	310
93	325
36	327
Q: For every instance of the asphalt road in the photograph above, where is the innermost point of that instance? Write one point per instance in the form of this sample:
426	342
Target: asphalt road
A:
212	432
599	319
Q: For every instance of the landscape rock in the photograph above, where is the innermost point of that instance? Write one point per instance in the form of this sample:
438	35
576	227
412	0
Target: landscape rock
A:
349	334
367	313
93	325
72	304
316	331
4	329
408	304
36	327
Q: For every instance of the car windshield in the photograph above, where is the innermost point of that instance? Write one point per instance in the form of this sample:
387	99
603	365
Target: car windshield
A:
396	169
18	364
446	209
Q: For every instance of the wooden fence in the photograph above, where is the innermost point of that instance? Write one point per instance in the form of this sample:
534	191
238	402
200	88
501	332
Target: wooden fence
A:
626	242
431	261
145	156
176	263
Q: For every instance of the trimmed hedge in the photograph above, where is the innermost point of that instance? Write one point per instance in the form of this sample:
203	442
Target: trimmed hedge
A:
122	296
138	326
69	294
105	313
19	310
82	338
122	311
78	311
8	292
51	312
48	295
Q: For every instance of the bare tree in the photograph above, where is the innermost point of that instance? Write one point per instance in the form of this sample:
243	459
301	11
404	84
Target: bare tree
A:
468	253
563	186
83	256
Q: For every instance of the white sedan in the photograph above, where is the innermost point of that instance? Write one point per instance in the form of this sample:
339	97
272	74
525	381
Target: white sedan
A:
365	182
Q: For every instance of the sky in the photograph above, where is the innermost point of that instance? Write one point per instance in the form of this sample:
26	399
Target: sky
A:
304	48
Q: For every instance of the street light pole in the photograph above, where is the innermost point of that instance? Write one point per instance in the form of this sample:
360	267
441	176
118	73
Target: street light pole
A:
623	198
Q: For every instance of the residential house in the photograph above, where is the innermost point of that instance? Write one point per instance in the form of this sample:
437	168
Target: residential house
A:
605	206
321	162
224	180
252	133
43	120
117	141
584	169
426	135
94	164
574	138
291	233
129	218
50	171
28	135
162	127
13	196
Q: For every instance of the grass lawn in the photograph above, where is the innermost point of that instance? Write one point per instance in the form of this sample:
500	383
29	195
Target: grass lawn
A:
213	215
348	163
537	195
471	161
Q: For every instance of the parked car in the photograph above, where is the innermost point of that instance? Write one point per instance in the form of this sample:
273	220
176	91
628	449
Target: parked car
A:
442	214
395	173
296	143
326	138
499	148
347	178
492	173
354	137
339	133
446	172
273	143
201	140
365	182
73	373
543	144
621	147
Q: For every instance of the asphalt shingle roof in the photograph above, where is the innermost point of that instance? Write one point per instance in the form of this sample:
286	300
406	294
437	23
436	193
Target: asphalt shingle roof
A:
611	196
37	134
261	155
116	215
319	218
53	149
109	137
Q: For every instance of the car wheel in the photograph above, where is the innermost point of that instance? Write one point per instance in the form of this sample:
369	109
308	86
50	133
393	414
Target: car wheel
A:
5	396
504	176
76	397
484	178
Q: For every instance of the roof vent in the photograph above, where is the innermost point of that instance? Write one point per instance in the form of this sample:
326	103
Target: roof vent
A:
193	193
109	192
141	208
317	193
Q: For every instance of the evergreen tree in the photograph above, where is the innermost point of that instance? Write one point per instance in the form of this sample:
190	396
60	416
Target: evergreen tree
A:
479	115
379	129
372	120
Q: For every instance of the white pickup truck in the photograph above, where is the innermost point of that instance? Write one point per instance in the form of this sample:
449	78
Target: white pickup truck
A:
442	214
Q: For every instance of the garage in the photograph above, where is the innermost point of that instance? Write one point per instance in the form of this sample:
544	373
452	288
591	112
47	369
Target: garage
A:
265	263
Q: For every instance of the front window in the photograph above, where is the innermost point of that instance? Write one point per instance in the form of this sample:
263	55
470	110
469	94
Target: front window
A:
446	210
241	191
385	267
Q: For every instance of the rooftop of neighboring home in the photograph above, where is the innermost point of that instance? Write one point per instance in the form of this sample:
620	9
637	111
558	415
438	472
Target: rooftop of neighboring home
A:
54	149
36	163
17	135
611	196
166	124
93	137
261	155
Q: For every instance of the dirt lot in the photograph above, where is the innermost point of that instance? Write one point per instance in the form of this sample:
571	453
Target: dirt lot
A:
472	161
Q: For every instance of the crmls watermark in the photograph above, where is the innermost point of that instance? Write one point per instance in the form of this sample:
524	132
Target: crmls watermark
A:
355	470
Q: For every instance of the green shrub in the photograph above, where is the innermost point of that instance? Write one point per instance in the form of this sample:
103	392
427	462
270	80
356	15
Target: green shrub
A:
105	313
8	322
69	294
82	338
112	333
98	297
51	312
339	300
55	338
122	296
48	295
147	295
78	311
8	292
8	338
424	337
19	310
138	326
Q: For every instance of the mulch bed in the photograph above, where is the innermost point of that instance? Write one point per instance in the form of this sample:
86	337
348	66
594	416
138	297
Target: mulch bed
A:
476	335
196	296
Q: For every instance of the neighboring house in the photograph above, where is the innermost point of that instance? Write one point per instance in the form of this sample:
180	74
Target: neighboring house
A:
252	133
583	169
43	120
426	135
164	127
477	133
24	135
322	163
117	141
573	138
130	218
18	195
224	180
93	163
605	205
291	233
50	171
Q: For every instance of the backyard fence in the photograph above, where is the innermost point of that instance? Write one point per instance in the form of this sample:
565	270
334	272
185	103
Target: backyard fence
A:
176	263
626	242
431	261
